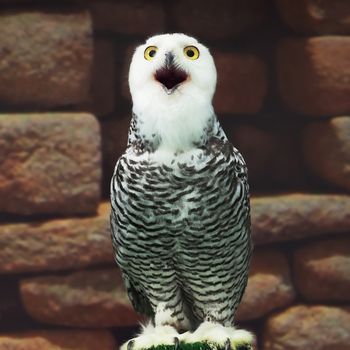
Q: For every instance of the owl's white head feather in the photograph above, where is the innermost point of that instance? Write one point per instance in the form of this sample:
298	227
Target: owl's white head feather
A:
172	89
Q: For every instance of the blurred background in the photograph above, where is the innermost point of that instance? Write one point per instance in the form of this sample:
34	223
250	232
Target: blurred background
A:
283	97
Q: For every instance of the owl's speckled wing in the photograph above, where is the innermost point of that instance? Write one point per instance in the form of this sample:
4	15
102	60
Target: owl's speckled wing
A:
181	230
138	299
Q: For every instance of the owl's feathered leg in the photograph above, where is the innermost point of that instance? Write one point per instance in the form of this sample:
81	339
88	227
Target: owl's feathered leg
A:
172	314
152	336
222	337
169	320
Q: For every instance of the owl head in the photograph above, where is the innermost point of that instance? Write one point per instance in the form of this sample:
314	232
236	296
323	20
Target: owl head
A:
172	81
171	65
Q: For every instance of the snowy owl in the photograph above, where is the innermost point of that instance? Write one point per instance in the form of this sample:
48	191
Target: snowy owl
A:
180	202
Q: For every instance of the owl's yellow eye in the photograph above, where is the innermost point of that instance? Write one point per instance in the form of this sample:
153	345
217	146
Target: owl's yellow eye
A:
150	52
191	52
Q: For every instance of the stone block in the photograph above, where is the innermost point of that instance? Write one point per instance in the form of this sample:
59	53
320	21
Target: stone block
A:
314	75
83	299
50	163
222	19
315	16
287	217
241	85
135	17
326	148
59	244
322	270
46	57
269	285
58	340
308	327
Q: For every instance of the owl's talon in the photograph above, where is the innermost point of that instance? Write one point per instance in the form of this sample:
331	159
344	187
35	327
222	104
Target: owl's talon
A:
177	343
228	344
131	344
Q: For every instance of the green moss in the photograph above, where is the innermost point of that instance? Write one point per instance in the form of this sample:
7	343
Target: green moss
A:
198	346
183	346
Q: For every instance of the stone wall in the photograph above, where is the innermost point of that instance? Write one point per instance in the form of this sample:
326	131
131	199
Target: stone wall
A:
283	97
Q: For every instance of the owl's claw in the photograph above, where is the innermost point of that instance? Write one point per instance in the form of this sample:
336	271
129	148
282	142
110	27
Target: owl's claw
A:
177	343
228	344
131	344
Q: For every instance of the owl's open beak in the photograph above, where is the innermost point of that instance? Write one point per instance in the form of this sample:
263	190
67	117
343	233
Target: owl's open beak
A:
170	76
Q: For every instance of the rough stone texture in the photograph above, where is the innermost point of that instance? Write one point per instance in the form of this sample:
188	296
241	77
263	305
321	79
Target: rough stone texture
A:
58	340
308	327
269	153
129	16
269	285
46	57
237	74
114	141
83	299
102	96
326	147
315	16
221	19
56	244
294	216
49	163
314	74
322	270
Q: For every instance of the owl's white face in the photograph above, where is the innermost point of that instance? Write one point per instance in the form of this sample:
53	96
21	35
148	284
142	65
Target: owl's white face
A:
172	81
172	64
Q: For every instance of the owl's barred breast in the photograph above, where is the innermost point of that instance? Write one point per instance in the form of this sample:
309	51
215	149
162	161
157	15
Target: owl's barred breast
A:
182	222
173	212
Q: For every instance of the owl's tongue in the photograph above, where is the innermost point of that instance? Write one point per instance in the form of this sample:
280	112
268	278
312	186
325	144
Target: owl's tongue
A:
170	77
